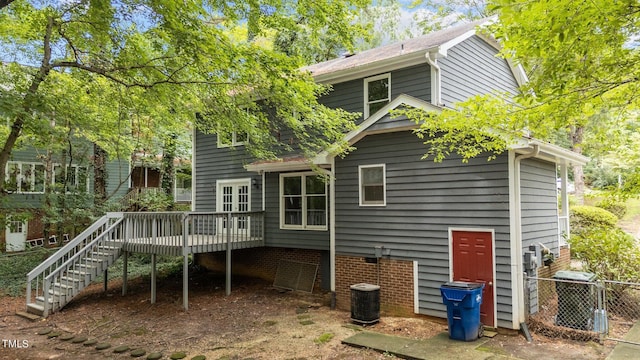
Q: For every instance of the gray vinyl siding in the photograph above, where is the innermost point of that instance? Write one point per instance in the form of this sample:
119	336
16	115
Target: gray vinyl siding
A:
117	178
276	237
424	199
414	81
213	164
539	204
31	154
472	68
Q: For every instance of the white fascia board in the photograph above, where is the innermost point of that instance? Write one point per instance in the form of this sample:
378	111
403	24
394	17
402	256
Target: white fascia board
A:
551	152
374	68
282	166
355	135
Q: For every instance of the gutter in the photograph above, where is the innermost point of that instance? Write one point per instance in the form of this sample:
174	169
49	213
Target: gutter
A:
516	234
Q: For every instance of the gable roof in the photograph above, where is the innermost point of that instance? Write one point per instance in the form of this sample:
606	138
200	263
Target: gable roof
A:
400	54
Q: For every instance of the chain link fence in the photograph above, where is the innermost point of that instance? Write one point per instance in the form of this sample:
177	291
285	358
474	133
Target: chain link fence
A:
582	310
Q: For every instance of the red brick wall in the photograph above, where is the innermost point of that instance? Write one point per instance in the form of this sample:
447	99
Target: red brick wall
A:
260	262
395	280
563	262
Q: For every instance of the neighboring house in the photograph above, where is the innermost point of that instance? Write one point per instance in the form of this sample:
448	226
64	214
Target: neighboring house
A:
386	216
25	176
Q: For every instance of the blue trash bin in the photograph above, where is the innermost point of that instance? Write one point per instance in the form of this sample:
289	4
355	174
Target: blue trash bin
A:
463	301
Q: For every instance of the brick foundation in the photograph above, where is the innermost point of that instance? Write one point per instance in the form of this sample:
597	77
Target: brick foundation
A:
563	262
396	283
261	262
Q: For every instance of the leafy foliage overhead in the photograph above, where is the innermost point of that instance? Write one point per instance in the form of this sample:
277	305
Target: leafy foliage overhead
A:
113	70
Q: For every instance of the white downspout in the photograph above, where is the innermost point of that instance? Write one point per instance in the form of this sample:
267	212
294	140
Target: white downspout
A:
436	93
332	231
516	250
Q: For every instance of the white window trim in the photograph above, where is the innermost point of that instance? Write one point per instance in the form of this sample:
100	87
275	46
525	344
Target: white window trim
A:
75	168
366	91
304	225
31	180
384	184
234	142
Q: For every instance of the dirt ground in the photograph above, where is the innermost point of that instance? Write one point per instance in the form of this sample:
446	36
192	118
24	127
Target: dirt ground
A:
255	322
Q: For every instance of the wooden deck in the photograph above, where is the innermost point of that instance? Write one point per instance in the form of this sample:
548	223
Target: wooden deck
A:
194	244
54	282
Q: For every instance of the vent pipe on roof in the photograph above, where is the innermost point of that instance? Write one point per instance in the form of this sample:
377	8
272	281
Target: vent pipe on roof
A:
436	95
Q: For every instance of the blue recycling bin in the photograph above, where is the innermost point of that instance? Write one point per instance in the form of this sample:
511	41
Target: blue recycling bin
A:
463	301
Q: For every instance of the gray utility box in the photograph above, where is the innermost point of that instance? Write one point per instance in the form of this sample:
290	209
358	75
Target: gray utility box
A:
365	304
576	299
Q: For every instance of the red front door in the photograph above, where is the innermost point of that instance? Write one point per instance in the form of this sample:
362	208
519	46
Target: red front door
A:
473	262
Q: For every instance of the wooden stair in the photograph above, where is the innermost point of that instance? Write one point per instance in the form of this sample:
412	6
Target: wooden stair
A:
73	280
76	265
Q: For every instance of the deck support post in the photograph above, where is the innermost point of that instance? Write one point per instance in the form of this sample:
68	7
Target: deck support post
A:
228	262
185	282
106	278
153	278
125	263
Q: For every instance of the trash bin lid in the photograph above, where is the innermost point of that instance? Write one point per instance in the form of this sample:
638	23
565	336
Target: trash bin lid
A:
462	285
365	287
574	275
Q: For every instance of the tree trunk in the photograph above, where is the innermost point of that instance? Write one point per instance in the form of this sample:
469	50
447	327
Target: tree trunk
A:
18	121
168	168
577	136
99	174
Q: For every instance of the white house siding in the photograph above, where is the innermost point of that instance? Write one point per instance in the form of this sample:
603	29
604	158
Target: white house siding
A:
424	199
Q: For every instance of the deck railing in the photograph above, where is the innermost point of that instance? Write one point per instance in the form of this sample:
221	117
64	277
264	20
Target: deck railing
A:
53	262
149	232
190	230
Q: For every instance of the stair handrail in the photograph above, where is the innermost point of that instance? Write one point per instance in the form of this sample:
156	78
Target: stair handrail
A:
67	249
81	252
70	245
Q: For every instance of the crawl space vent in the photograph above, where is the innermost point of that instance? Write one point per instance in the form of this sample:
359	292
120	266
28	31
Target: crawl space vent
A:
294	275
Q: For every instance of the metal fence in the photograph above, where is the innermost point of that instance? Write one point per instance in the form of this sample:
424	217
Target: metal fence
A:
582	310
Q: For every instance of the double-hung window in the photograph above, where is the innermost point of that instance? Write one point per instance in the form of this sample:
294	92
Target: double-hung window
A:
372	185
377	93
233	138
303	201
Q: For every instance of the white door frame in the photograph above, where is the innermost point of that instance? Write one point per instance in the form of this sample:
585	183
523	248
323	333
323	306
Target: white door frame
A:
235	184
16	240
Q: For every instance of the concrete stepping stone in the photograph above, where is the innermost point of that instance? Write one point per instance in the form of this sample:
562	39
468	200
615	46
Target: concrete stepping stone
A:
44	331
103	346
178	355
54	334
154	356
199	357
79	339
66	337
90	342
138	352
120	349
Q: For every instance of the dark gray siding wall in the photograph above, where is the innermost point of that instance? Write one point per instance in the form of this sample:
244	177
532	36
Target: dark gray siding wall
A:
212	164
117	178
539	204
299	239
472	68
424	199
349	95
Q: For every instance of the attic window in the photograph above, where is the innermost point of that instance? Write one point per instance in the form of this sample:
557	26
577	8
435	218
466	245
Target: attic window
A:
232	139
377	93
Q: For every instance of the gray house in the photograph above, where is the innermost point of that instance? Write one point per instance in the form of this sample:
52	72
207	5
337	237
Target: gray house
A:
26	180
386	216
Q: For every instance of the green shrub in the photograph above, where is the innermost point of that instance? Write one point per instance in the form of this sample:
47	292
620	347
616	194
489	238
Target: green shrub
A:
584	218
617	208
610	253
